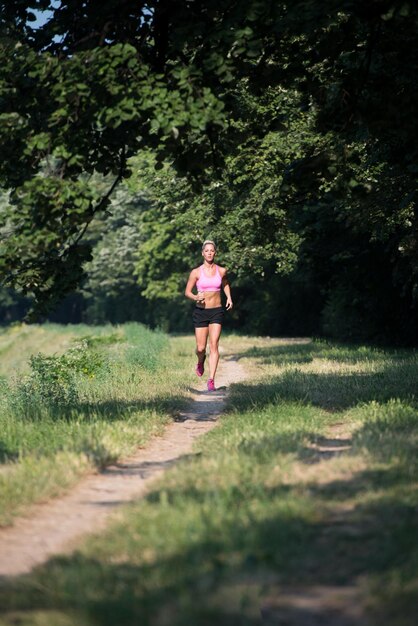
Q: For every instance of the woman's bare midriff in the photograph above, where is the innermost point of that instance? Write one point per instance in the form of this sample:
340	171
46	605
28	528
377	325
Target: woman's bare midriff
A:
212	300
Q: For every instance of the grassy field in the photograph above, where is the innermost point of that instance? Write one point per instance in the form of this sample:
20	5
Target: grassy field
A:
308	482
96	394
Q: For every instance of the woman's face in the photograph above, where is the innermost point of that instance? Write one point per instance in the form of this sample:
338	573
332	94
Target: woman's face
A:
209	252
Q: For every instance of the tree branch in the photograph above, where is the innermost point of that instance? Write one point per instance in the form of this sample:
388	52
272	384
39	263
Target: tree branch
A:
101	204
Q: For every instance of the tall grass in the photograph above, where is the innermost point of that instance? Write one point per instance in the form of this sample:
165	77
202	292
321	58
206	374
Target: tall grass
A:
83	407
309	481
19	341
145	347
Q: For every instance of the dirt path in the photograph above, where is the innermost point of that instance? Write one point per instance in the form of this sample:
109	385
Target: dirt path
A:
55	527
321	604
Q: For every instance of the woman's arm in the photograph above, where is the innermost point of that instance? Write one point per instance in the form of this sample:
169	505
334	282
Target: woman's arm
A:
227	290
191	283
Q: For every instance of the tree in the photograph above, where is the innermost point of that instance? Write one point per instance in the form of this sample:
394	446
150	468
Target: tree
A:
283	119
114	83
318	166
111	290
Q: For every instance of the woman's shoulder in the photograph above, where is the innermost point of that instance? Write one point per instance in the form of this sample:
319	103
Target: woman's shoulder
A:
222	270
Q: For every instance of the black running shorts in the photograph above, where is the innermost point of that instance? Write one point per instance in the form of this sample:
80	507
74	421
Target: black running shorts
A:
203	317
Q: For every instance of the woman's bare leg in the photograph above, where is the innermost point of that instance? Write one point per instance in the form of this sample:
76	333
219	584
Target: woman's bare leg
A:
214	334
201	341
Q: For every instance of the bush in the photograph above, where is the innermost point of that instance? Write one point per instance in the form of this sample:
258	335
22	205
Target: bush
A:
54	380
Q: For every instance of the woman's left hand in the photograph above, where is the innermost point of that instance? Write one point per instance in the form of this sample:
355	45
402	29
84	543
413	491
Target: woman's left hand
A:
229	304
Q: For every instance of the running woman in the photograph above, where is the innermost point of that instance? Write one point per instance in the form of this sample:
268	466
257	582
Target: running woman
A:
208	314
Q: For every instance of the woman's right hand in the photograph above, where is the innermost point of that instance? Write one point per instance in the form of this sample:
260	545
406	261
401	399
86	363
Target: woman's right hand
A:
200	297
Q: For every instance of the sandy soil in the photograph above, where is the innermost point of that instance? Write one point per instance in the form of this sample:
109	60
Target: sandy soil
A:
55	527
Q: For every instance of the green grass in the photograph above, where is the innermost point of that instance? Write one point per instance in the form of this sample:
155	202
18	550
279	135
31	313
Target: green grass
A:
19	341
309	479
51	437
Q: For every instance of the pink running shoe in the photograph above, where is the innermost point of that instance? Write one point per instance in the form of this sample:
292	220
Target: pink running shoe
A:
211	385
200	368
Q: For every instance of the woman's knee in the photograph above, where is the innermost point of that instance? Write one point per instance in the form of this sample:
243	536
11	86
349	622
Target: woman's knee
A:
200	348
214	347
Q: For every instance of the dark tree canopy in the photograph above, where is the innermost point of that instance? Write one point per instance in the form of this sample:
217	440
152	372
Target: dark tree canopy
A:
291	129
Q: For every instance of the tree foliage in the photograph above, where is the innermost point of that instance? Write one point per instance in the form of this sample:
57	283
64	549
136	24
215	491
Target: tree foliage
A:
318	169
110	290
286	131
79	106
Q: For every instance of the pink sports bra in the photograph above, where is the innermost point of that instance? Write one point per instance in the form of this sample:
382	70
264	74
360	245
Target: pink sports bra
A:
209	283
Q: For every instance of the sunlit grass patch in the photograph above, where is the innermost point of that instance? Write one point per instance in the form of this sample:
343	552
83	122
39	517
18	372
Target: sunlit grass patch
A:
91	401
145	347
37	478
334	385
305	351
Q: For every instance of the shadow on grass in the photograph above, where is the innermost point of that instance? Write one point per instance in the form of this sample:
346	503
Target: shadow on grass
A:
108	410
210	579
318	448
280	355
236	555
115	409
362	482
306	352
221	575
330	391
137	413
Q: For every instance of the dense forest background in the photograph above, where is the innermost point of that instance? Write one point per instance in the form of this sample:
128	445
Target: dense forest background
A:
286	132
